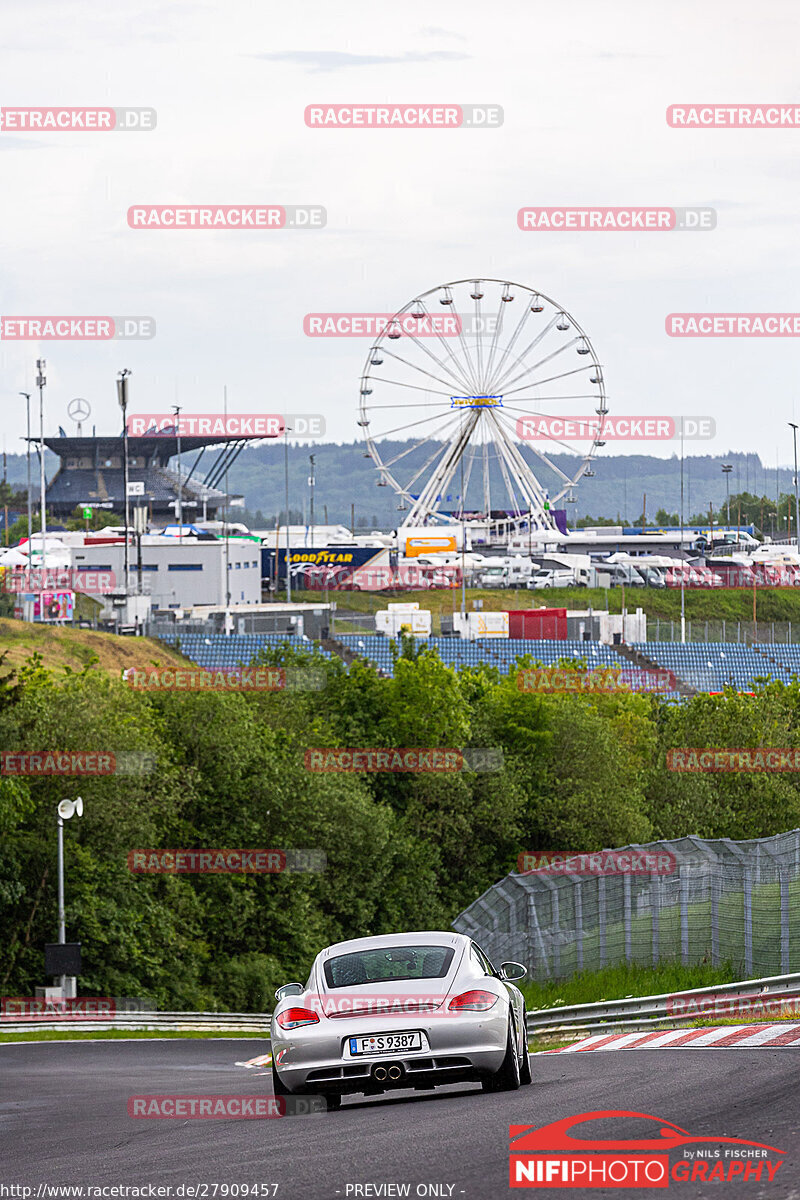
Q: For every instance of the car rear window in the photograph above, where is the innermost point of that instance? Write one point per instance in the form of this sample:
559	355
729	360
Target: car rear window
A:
384	964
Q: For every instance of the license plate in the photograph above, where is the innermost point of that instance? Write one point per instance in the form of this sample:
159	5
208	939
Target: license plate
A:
385	1043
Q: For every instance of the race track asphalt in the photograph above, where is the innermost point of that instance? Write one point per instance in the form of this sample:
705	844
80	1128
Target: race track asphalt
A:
64	1121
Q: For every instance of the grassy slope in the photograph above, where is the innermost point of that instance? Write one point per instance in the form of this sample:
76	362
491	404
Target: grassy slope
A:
67	647
622	980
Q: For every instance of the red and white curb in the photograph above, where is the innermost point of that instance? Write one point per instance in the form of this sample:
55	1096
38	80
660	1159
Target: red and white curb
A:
744	1037
263	1060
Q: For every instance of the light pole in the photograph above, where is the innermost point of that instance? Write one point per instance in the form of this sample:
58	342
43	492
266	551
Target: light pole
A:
27	396
311	459
65	810
726	470
176	408
796	501
683	573
40	383
286	483
122	396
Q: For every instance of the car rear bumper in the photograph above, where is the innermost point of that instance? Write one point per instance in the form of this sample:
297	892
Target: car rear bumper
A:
466	1047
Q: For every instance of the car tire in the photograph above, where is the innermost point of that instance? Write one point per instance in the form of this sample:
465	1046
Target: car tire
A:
525	1073
507	1079
278	1088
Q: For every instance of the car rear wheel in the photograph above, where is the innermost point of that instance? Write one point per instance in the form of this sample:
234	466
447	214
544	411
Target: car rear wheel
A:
525	1074
507	1079
278	1088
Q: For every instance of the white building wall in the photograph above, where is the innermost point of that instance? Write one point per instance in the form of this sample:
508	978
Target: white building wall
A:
179	574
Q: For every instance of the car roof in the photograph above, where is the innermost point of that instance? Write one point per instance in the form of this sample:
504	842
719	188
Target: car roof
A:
426	938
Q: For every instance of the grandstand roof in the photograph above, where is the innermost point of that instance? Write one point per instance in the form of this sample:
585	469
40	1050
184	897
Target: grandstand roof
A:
161	446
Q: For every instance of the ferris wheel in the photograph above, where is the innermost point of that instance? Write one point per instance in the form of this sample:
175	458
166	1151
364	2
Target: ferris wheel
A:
473	406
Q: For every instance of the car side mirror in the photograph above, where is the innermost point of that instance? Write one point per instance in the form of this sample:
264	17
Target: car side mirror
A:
289	989
512	970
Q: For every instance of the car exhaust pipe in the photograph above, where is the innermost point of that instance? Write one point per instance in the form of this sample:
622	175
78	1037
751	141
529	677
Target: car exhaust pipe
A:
379	1073
395	1072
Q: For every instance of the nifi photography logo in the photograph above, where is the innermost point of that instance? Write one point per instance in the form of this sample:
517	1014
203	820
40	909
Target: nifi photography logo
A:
556	1156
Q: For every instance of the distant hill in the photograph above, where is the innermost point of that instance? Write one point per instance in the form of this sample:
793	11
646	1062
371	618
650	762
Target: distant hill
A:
345	475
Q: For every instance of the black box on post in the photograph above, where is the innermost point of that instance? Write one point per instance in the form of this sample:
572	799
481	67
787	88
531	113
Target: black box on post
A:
62	958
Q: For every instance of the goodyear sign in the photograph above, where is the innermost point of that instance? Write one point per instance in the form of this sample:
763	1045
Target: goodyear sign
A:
323	558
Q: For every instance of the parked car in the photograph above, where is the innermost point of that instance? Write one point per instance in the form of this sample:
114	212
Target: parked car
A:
547	577
618	575
514	572
653	576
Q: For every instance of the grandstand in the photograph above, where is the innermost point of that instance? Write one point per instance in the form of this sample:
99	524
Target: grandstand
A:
711	666
700	666
91	472
215	652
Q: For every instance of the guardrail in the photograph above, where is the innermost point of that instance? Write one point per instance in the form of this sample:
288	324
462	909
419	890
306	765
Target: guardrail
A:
631	1013
643	1012
159	1021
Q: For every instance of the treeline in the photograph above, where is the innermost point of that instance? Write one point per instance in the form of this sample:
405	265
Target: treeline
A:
404	851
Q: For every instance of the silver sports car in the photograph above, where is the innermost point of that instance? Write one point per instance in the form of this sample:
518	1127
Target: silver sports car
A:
407	1010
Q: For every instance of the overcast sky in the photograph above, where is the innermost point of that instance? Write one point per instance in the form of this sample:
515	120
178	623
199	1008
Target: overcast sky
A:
584	87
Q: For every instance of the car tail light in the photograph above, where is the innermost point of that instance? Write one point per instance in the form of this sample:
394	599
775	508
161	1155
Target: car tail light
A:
475	1001
292	1018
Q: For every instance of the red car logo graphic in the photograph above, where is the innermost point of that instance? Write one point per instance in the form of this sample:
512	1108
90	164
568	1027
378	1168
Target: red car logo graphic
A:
557	1136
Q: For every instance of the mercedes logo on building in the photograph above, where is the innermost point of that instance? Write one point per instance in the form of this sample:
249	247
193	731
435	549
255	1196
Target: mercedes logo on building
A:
79	409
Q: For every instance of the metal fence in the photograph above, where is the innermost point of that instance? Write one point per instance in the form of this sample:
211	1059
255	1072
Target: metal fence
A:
724	901
741	632
346	621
